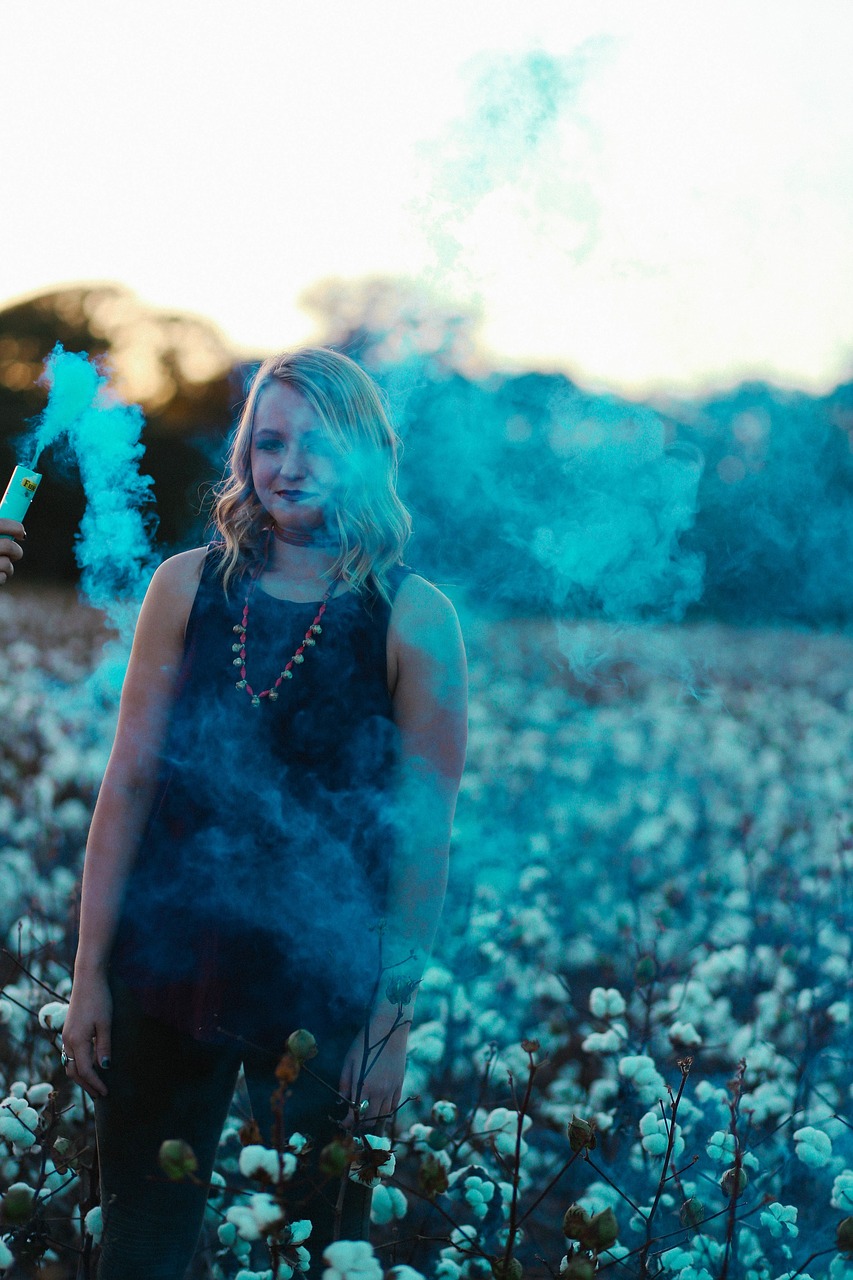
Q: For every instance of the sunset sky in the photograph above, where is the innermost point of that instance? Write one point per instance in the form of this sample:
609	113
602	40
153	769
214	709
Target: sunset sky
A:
649	195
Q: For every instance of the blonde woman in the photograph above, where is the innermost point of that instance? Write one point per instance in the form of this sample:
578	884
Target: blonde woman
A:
284	774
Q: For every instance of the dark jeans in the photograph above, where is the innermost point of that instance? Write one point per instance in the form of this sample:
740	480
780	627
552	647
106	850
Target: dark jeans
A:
164	1084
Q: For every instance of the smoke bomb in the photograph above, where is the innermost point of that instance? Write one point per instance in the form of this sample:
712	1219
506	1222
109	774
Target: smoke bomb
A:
19	493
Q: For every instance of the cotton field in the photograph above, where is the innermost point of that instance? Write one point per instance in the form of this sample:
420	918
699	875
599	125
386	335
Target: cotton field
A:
632	1051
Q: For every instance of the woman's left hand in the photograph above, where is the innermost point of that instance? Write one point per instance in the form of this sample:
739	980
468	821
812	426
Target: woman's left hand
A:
383	1084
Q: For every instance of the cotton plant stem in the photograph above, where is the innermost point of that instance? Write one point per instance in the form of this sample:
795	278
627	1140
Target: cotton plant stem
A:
671	1131
365	1051
612	1184
821	1253
734	1106
470	1245
7	954
481	1093
516	1171
679	1231
557	1176
731	1217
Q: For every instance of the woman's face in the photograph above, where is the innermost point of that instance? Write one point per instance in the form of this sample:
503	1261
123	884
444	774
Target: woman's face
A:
295	469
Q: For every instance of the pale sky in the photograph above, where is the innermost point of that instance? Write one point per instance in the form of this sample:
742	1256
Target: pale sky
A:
686	221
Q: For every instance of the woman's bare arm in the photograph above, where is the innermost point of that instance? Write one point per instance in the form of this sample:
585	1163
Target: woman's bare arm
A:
428	679
128	787
427	660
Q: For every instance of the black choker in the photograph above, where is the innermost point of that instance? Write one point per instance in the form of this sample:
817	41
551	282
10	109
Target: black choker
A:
304	537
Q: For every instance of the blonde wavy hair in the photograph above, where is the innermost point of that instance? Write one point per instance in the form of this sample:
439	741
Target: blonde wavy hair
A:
371	523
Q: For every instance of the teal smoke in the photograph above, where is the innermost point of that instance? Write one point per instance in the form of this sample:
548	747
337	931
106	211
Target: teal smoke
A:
85	418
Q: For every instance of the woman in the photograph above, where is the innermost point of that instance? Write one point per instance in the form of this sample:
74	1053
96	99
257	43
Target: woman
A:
285	770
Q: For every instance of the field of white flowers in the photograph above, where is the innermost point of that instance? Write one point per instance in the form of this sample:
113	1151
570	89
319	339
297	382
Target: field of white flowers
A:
632	1051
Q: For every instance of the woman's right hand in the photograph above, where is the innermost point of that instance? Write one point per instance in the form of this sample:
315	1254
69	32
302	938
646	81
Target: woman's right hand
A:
86	1030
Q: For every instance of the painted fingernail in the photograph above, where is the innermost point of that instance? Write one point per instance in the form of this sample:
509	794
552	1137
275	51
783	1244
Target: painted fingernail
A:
105	1062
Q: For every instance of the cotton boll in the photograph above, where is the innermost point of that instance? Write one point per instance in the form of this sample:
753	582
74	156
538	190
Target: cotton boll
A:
812	1146
360	1167
245	1222
71	814
230	1135
387	1204
18	1123
491	1025
684	1035
351	1260
535	875
695	1273
501	1125
805	1000
478	1193
214	1195
52	1015
267	1214
643	1074
461	1239
426	1043
780	1220
259	1161
418	1136
655	1137
93	1223
38	1094
436	978
834	939
444	1112
34	934
227	1233
381	1208
602	1092
54	1180
610	1041
721	1147
835	968
770	1100
531	927
842	1192
606	1002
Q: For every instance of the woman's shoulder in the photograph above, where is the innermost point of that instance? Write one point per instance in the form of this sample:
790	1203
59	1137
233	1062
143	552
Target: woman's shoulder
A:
174	586
182	571
420	609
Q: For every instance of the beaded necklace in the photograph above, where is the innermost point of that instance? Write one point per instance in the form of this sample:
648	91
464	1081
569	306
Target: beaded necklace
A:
241	629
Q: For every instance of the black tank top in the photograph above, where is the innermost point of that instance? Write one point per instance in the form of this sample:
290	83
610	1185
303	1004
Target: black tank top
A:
262	871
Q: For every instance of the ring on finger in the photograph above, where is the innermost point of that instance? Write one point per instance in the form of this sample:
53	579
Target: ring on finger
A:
65	1058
